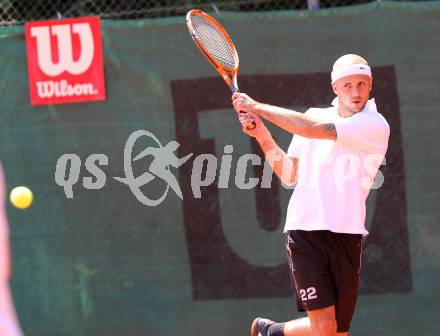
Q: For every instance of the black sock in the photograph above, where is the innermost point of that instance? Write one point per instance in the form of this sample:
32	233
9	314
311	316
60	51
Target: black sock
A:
276	329
263	327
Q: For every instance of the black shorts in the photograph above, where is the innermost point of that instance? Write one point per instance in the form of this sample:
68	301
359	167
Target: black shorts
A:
325	270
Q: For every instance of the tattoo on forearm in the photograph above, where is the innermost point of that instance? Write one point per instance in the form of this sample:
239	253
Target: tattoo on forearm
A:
330	129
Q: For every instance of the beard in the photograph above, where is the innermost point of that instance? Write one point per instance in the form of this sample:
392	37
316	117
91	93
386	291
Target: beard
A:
355	108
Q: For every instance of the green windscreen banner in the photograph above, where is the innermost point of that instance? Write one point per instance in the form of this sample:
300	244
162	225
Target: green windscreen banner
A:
154	214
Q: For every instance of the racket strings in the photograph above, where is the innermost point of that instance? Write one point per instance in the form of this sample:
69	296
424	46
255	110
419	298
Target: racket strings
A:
214	41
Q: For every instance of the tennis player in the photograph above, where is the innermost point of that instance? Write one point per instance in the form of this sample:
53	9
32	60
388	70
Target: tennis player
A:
8	318
333	158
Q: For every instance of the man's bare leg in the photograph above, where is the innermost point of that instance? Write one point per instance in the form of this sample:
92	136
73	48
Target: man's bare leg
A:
298	327
320	322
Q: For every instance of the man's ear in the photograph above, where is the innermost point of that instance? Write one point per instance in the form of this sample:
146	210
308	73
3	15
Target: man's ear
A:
334	89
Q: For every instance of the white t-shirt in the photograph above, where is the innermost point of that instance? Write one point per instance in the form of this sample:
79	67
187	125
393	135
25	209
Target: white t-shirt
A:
335	177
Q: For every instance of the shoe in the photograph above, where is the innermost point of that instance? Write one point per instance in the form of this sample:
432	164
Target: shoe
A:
260	325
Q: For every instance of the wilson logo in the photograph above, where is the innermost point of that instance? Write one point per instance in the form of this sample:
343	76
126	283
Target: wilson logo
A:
65	51
65	61
48	89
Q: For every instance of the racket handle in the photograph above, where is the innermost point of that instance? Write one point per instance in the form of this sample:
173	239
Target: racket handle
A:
251	126
234	88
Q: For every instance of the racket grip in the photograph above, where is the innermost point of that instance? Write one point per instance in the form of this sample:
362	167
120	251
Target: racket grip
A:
251	126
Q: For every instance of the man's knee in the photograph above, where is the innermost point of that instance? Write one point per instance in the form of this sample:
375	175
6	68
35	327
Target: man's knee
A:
323	321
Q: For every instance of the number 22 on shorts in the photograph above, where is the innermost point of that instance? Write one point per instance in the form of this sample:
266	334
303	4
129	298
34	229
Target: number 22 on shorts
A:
308	294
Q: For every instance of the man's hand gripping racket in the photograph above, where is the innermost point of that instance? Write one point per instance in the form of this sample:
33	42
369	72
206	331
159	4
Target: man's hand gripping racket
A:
216	45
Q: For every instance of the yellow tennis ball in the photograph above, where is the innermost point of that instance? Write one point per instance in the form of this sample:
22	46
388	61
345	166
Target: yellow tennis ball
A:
21	197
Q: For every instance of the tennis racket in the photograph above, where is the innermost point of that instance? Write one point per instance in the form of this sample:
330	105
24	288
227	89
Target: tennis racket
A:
216	45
